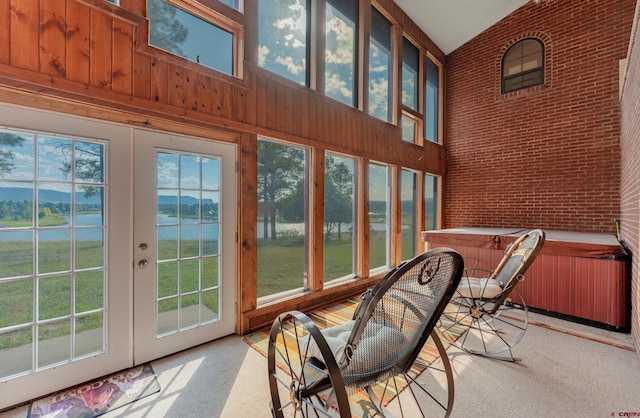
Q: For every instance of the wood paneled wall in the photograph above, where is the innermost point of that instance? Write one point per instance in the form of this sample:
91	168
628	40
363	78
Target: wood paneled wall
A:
91	58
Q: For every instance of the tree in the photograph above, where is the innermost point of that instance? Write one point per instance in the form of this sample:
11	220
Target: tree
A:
279	167
338	192
165	31
6	155
89	164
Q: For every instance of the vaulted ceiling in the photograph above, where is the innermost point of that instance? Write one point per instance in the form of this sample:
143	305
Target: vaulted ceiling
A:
451	23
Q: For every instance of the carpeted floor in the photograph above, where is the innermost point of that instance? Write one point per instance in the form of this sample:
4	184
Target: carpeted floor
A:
567	370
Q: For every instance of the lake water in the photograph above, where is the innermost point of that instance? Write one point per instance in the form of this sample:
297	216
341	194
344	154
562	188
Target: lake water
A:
90	229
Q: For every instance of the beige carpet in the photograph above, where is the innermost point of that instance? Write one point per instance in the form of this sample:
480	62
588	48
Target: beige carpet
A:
561	375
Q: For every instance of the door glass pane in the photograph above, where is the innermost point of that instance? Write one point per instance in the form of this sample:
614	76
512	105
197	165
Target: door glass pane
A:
379	216
52	250
339	207
282	217
409	219
188	254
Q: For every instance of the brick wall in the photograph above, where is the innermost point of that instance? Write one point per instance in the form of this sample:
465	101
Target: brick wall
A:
547	156
630	165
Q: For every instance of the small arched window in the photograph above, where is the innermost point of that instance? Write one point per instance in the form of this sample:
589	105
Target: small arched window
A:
523	65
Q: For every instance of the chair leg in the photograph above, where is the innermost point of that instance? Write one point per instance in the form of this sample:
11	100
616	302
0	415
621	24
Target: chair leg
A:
429	394
302	386
475	326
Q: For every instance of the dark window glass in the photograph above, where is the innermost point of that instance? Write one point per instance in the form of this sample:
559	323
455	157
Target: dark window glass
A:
341	50
432	102
410	71
523	65
380	62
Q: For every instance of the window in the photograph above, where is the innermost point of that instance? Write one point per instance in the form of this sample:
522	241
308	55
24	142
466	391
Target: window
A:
409	224
283	37
181	33
283	223
410	71
409	127
430	202
53	261
411	118
236	4
523	65
432	102
379	216
380	64
340	50
339	209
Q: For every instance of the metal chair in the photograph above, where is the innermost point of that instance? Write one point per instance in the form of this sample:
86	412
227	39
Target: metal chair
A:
486	305
360	363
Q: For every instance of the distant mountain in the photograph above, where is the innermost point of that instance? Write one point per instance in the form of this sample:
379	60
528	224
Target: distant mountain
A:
20	194
187	200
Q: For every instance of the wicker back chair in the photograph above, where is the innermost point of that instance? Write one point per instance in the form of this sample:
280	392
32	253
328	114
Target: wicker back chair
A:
487	304
313	372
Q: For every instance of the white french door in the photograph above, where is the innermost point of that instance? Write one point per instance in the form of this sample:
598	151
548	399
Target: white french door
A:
184	243
117	246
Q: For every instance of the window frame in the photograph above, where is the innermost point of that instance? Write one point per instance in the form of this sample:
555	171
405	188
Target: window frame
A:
439	100
391	58
215	18
540	70
309	60
306	279
339	6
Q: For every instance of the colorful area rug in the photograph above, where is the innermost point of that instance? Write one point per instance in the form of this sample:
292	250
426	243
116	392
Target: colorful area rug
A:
340	313
96	398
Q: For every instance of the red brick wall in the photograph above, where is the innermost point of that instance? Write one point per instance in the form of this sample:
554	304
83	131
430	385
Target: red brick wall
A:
630	164
547	156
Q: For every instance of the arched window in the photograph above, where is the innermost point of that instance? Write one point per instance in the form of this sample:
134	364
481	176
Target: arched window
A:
523	65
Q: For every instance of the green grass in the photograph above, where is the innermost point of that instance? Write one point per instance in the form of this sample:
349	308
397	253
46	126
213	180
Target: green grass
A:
280	268
281	262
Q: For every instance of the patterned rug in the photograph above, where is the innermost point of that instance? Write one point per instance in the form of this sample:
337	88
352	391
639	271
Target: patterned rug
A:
340	313
96	398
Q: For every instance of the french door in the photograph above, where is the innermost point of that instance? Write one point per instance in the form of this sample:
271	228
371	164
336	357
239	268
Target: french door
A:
117	246
184	243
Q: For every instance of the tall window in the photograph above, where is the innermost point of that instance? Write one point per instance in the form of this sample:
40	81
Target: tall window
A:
282	217
283	37
341	52
523	65
339	209
432	102
410	71
430	202
409	224
379	216
410	85
181	33
380	64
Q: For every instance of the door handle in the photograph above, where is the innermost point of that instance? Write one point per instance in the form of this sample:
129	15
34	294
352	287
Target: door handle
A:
143	264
